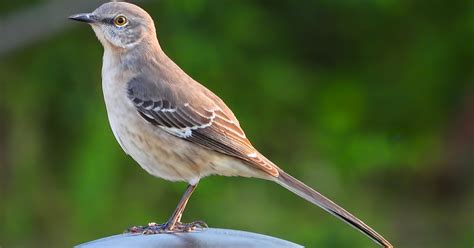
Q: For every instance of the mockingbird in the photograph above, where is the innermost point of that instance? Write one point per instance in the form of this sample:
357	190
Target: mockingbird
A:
174	127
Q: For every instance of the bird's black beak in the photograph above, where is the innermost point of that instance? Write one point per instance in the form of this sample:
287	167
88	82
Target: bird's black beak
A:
86	17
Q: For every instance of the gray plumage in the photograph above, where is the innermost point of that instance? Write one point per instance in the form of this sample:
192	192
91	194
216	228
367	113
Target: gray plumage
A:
174	127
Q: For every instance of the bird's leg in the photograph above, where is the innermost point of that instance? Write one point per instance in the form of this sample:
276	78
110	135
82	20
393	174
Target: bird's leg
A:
173	225
178	212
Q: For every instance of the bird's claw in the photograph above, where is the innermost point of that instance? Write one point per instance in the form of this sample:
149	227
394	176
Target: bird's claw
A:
153	228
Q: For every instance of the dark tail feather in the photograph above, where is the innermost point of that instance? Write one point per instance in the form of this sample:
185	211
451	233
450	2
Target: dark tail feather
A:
316	198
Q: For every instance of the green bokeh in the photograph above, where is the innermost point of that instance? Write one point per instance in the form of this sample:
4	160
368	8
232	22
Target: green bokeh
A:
370	102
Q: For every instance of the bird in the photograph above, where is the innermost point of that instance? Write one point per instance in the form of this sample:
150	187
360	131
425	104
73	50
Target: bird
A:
174	127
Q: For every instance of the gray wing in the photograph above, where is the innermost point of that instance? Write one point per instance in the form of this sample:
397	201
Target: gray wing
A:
195	115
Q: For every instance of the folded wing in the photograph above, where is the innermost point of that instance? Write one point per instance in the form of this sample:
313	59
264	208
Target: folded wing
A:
197	118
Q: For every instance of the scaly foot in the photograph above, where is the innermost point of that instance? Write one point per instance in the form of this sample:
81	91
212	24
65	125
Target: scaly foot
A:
153	228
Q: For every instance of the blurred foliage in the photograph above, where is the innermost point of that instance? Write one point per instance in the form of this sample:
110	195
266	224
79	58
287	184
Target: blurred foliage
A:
371	102
10	6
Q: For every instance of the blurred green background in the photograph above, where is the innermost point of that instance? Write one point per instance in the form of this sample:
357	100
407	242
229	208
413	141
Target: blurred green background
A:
370	102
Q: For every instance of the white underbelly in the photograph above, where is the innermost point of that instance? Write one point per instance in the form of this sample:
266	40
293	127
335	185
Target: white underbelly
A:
149	146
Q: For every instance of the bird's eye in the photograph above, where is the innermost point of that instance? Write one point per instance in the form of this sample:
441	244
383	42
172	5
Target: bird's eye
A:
120	21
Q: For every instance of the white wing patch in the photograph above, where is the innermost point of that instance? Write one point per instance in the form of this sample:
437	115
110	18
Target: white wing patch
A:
188	131
223	121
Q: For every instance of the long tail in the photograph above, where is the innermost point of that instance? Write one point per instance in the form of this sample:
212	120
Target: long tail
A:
318	199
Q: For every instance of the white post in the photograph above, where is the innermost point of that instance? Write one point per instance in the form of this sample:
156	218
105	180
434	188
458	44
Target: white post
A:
210	237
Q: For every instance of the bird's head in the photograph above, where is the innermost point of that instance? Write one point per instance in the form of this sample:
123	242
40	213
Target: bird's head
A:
119	24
